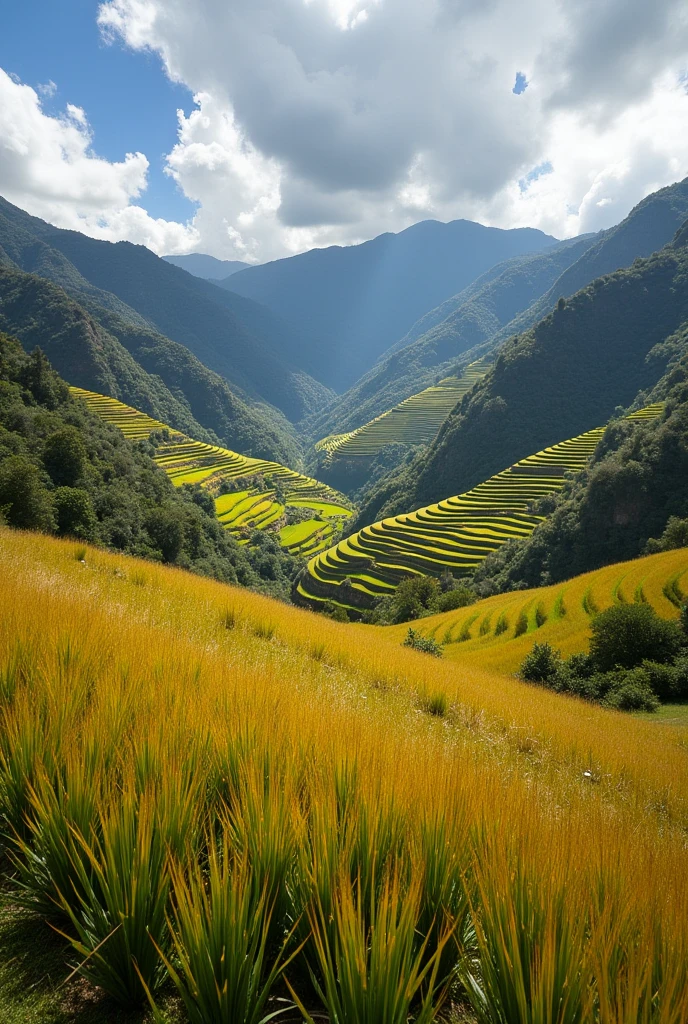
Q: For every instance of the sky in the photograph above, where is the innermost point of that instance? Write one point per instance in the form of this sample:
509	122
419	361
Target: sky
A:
255	129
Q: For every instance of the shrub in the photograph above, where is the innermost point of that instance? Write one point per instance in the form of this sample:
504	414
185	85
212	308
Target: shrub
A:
668	682
426	644
683	620
541	665
434	703
630	691
414	597
65	456
461	597
675	536
628	634
24	500
74	513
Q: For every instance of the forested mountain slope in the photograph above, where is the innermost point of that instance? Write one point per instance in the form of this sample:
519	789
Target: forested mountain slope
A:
233	336
561	377
507	300
356	301
129	360
208	267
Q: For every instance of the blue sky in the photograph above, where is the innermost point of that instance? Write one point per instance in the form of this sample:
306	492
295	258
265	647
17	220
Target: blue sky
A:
130	103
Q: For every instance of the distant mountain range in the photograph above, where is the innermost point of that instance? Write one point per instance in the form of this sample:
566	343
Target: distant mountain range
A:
201	265
352	303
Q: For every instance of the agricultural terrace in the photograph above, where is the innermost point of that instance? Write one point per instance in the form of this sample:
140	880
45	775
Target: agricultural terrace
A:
498	632
454	534
416	420
221	765
250	494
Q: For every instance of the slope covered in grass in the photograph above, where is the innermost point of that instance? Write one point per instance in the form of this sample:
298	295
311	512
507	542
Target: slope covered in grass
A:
456	534
249	494
497	632
223	728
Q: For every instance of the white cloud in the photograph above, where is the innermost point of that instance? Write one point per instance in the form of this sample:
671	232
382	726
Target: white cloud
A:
329	121
48	167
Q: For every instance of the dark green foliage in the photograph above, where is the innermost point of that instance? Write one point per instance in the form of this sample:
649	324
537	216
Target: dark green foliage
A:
74	513
334	611
460	597
541	664
64	456
630	691
118	497
426	644
580	363
684	619
418	596
627	634
24	501
675	536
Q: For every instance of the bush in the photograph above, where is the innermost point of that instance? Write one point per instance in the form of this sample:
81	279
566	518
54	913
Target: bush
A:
74	513
628	634
414	597
683	620
65	456
24	500
541	665
630	691
426	644
460	597
675	536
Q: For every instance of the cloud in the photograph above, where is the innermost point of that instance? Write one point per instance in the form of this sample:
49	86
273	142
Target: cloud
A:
319	122
48	167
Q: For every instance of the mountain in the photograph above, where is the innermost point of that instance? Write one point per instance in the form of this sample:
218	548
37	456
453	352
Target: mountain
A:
506	300
431	349
201	265
138	366
235	337
354	302
562	377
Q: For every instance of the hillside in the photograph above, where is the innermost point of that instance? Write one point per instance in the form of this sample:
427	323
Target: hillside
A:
240	340
507	300
203	698
583	360
454	535
497	632
138	365
355	302
207	267
347	460
248	494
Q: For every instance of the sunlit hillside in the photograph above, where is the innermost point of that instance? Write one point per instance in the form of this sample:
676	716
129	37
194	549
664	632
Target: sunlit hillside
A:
455	534
250	494
496	633
141	704
416	420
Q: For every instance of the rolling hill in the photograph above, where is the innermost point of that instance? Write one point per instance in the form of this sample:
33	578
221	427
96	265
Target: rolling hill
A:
354	302
252	348
249	494
455	534
497	632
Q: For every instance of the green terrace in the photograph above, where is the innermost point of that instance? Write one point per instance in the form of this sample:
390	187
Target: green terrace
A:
416	420
250	494
454	534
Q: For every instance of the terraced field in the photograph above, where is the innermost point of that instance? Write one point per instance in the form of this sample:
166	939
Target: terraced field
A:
454	534
250	494
416	420
497	633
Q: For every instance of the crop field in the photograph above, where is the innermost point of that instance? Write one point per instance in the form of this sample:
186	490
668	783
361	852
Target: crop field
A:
416	420
256	507
218	803
454	534
498	632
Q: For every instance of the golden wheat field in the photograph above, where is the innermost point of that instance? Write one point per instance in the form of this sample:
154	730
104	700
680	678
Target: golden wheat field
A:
232	807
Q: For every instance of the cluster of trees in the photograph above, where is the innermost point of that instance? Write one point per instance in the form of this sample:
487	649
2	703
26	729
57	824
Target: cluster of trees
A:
65	471
635	662
418	596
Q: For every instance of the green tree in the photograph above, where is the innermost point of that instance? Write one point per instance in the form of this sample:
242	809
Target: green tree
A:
415	597
38	377
24	499
166	531
65	456
74	513
628	634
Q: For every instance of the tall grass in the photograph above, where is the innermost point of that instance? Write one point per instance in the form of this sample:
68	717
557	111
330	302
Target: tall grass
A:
189	803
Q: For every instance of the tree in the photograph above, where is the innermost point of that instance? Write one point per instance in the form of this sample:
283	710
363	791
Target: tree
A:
38	377
74	513
166	531
65	456
414	597
24	499
628	634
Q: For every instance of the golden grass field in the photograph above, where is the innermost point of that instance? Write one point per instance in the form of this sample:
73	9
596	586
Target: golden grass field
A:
560	614
178	757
